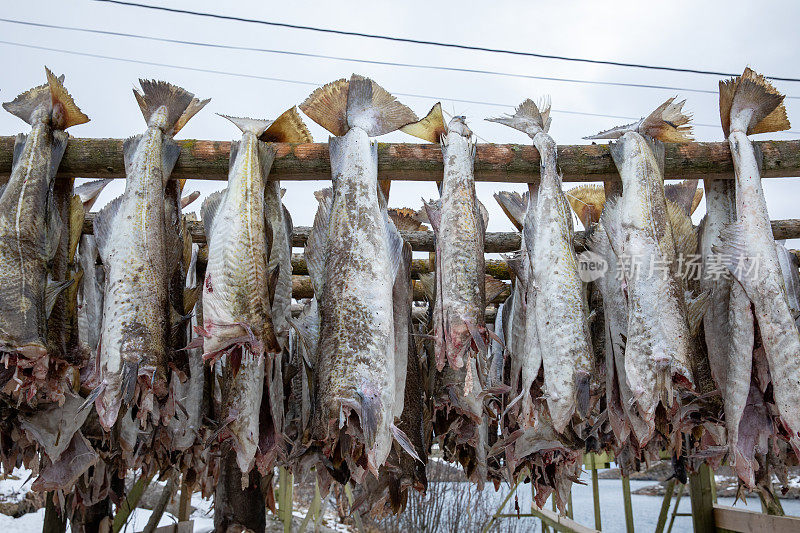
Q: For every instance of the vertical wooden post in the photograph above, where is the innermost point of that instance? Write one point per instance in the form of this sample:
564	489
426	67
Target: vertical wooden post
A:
669	489
702	501
234	505
285	498
184	504
55	519
626	497
595	492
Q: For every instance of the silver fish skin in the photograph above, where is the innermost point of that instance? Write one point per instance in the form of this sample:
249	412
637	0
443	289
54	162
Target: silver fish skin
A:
561	307
658	349
750	238
91	309
280	258
355	362
131	238
30	225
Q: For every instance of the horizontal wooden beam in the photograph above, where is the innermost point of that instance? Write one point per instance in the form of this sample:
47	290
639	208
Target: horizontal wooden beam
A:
733	519
495	242
208	160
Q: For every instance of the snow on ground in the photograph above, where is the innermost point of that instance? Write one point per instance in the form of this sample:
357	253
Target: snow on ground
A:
13	490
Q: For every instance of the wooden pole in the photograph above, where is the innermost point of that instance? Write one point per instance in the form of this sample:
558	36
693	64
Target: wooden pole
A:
55	519
595	492
161	505
130	502
626	498
681	489
234	505
203	159
669	489
702	500
184	504
495	242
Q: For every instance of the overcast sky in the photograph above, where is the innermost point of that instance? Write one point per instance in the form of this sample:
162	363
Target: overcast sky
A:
720	36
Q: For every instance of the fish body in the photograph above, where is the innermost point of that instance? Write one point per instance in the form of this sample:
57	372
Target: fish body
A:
353	255
132	241
30	225
658	349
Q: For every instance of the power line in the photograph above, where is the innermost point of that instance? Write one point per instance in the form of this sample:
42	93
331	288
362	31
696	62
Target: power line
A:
358	60
430	43
316	84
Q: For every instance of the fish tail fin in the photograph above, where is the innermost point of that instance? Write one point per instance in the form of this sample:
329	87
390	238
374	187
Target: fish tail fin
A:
249	125
683	231
514	206
404	442
373	109
166	106
583	382
288	128
405	219
24	105
430	128
684	194
751	104
528	118
587	201
327	106
65	112
317	243
428	282
668	123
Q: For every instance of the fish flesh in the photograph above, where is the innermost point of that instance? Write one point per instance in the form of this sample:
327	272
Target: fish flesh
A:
133	244
30	230
460	336
750	104
353	255
561	308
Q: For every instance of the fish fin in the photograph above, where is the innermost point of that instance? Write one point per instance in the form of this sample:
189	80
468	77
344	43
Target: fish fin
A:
433	210
103	227
96	392
668	123
272	283
288	128
733	252
727	91
25	104
583	382
657	148
58	147
89	191
610	223
266	155
190	297
528	118
696	307
616	132
514	206
130	373
755	100
404	442
327	106
19	147
492	287
54	289
684	194
191	110
683	231
65	113
484	214
516	263
477	337
170	151
430	128
405	219
209	210
370	408
317	243
249	125
428	281
587	202
396	246
384	187
371	108
55	225
157	94
76	217
234	151
129	146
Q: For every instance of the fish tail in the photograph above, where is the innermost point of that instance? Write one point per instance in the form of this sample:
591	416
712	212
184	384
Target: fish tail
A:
166	106
51	98
249	125
514	205
130	373
528	118
327	106
751	104
288	128
430	128
373	109
587	201
667	123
